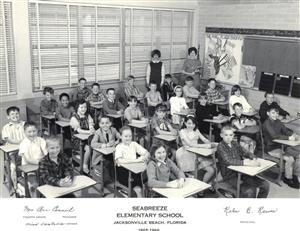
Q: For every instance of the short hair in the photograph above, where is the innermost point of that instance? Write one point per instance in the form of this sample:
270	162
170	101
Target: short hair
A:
161	107
109	89
235	88
12	108
187	118
29	124
132	98
156	146
52	139
237	105
95	84
227	127
191	49
152	82
168	76
177	87
273	108
189	78
81	79
80	102
48	89
211	79
103	117
64	94
202	94
130	77
268	93
124	128
155	52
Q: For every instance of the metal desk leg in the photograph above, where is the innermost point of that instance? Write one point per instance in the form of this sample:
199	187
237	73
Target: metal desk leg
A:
49	127
27	193
129	184
210	131
81	156
280	165
9	180
238	188
102	172
196	167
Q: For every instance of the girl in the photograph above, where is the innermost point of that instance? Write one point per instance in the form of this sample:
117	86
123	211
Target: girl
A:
189	135
155	70
126	152
82	123
177	104
236	97
161	170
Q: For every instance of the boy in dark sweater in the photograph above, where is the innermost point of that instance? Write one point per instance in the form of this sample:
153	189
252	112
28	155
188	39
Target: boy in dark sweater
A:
168	88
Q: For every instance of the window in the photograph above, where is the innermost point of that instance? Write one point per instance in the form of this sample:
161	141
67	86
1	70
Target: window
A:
7	52
72	41
282	85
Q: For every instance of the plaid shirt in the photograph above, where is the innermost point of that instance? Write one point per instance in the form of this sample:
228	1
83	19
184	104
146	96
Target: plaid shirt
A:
96	98
51	173
212	94
48	107
230	156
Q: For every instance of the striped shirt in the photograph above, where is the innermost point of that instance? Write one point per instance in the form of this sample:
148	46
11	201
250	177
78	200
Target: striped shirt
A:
14	131
212	94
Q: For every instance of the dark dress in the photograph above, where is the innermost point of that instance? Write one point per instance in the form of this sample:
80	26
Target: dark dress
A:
155	74
84	124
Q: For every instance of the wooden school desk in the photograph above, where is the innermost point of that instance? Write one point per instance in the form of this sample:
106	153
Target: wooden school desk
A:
183	113
26	169
215	121
252	113
191	186
251	130
62	125
165	137
6	149
206	152
83	139
103	151
294	125
135	126
79	183
136	168
49	119
221	103
116	116
251	171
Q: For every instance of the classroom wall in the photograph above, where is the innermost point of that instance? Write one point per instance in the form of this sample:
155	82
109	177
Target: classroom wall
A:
251	14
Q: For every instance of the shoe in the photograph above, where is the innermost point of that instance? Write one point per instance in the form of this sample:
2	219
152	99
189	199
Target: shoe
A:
290	183
296	181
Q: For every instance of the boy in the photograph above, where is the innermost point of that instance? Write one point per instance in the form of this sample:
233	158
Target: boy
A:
112	106
130	89
168	88
231	153
64	110
238	120
190	93
273	129
213	94
153	98
13	133
55	168
81	92
32	150
269	103
96	97
49	104
155	70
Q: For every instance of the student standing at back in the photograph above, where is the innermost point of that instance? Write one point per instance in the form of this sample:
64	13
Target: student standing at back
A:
155	70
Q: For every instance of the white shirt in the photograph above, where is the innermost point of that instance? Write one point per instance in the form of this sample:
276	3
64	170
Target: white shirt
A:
14	131
129	151
32	151
239	99
177	104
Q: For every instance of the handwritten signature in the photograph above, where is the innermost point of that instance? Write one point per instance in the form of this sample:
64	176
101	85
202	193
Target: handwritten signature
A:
260	210
56	208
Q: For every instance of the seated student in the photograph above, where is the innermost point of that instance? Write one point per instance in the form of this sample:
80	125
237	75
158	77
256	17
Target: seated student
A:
270	103
168	88
112	106
48	104
236	97
190	93
104	137
55	168
32	149
13	133
273	129
177	104
231	153
96	98
213	94
64	110
126	152
82	123
153	98
161	170
204	111
130	89
81	92
190	135
133	112
238	120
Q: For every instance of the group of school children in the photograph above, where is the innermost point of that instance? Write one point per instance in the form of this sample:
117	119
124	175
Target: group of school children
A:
159	107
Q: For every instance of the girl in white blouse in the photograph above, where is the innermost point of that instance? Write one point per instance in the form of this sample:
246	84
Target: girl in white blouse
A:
237	97
177	104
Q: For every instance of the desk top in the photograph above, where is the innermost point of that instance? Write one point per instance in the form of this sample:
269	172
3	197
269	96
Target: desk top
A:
96	105
82	136
135	167
105	151
79	182
115	115
191	186
288	142
217	121
29	168
49	117
252	113
202	151
251	170
168	138
7	148
294	125
249	130
62	123
138	125
225	102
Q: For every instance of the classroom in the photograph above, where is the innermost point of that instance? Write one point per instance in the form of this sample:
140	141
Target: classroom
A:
150	99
